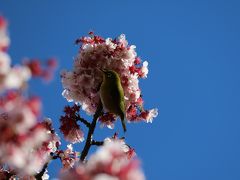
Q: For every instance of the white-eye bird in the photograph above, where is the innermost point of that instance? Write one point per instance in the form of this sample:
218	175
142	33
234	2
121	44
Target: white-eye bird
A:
112	95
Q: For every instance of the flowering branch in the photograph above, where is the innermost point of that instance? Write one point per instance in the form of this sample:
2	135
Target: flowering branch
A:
28	146
89	140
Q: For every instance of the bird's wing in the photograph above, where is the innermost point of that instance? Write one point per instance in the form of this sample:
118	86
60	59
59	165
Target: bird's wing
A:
117	94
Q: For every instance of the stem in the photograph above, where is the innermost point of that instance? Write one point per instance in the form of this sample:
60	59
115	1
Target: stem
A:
90	132
78	118
40	174
9	175
97	143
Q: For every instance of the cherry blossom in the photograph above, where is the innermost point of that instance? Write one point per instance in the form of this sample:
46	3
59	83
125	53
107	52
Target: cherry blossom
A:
68	157
22	136
108	163
81	85
28	142
4	63
12	77
41	69
16	77
53	143
129	151
4	39
108	120
69	127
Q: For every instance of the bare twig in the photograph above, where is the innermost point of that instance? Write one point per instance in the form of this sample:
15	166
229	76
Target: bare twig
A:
39	175
97	143
84	121
90	132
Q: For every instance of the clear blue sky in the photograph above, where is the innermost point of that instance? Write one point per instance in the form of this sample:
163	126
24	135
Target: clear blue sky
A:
193	49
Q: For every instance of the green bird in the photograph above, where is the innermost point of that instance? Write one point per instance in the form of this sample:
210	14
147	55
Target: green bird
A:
112	95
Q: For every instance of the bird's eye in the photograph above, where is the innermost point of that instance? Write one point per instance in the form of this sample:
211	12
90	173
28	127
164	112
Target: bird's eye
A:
109	74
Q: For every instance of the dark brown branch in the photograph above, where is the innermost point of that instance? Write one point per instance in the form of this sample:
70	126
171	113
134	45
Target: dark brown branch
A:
90	132
84	121
97	143
9	175
39	175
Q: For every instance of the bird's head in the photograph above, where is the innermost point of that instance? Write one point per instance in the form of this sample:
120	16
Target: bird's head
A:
110	75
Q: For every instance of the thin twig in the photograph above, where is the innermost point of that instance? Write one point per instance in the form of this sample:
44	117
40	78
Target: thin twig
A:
97	143
84	121
39	175
9	175
90	132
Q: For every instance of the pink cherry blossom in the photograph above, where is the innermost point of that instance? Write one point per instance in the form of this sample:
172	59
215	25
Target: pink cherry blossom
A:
81	85
4	39
68	157
4	63
10	77
53	143
41	69
16	77
108	120
27	144
108	163
69	127
23	138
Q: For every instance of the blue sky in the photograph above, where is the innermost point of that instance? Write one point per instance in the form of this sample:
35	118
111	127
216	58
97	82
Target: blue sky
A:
193	49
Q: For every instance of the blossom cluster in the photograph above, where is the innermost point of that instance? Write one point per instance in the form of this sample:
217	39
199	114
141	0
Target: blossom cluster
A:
25	143
52	145
68	157
21	135
81	85
17	76
28	144
69	127
129	151
108	163
10	77
40	69
4	39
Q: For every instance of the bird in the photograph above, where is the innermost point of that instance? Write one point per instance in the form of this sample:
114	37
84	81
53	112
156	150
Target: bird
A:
112	95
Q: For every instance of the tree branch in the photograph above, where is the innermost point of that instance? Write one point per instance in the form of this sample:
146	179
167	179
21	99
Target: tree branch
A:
39	175
97	143
9	174
90	132
84	121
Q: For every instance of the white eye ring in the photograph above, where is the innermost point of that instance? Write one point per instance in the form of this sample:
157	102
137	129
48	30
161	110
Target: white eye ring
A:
109	74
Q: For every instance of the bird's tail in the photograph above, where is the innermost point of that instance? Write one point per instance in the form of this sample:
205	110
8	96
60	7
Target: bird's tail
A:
123	122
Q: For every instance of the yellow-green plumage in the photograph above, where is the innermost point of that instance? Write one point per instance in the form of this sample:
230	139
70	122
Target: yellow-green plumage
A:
112	95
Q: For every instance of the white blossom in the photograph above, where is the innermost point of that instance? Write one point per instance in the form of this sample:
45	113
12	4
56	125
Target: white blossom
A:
152	114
